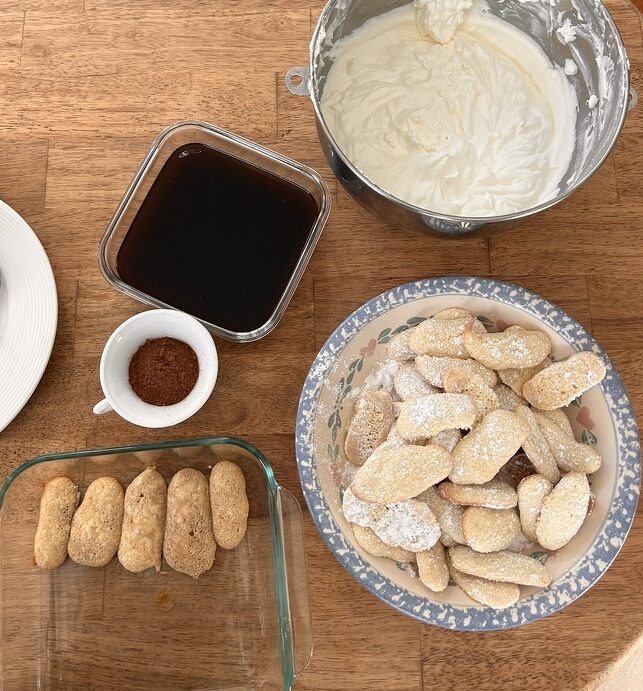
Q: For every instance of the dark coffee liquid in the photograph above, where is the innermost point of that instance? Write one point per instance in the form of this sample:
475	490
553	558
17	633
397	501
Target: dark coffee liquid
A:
217	238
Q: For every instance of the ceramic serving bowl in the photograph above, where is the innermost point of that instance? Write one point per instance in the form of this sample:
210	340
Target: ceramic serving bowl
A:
602	417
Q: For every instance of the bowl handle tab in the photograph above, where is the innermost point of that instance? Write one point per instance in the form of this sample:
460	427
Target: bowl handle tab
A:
298	81
631	102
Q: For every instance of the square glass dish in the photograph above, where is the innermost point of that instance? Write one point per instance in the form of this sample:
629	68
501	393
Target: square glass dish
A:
216	226
245	624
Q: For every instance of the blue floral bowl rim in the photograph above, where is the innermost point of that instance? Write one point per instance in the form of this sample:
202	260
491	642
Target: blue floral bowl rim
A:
606	545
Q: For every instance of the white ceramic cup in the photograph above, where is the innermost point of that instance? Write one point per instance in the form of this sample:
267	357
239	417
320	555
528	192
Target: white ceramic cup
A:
127	339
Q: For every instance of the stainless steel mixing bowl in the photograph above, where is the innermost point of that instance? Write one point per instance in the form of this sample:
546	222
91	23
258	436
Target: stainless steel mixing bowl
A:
603	70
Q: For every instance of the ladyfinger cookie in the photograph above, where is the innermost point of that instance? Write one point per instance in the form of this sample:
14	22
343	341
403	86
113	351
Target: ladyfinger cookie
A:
432	568
397	474
490	593
96	526
141	544
494	494
432	368
536	446
410	384
370	543
360	512
447	439
570	455
507	567
516	378
229	503
481	454
523	545
507	398
559	384
371	422
490	530
507	349
449	517
189	545
452	313
393	442
563	511
398	348
408	524
559	416
460	380
532	491
57	505
429	415
392	438
442	337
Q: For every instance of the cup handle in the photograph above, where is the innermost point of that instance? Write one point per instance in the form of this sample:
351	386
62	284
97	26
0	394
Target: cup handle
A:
102	407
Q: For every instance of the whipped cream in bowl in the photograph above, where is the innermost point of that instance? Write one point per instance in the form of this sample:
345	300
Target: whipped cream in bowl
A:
439	19
448	116
479	125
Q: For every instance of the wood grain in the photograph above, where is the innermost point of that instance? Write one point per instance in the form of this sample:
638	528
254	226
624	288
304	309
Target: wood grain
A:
86	85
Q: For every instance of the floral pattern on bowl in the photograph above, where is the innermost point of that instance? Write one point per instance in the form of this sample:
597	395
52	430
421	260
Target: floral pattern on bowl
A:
602	417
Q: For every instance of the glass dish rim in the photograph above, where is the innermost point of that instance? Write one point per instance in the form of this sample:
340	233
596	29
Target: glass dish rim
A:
304	257
281	585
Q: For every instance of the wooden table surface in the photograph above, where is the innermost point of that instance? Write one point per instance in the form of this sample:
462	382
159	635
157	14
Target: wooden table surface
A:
85	85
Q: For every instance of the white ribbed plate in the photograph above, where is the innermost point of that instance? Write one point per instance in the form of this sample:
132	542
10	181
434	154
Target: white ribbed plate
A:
28	313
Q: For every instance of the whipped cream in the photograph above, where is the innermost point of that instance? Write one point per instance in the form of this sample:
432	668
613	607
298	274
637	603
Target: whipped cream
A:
482	125
566	32
440	18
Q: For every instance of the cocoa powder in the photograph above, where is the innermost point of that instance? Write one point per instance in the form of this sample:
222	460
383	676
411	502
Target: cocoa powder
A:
163	371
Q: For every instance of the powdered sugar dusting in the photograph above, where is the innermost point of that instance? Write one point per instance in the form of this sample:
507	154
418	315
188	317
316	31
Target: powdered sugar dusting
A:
360	512
382	378
509	349
398	347
410	384
409	524
427	416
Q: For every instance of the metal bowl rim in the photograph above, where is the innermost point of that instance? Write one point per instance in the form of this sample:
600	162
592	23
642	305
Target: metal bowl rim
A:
623	60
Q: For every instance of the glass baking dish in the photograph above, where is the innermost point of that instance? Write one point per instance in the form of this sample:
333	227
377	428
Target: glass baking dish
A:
244	150
243	625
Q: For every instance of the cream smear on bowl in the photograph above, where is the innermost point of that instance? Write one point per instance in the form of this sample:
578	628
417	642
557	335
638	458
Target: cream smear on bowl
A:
467	120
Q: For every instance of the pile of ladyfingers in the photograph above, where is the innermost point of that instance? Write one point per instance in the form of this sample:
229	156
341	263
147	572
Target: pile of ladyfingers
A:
440	481
183	522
